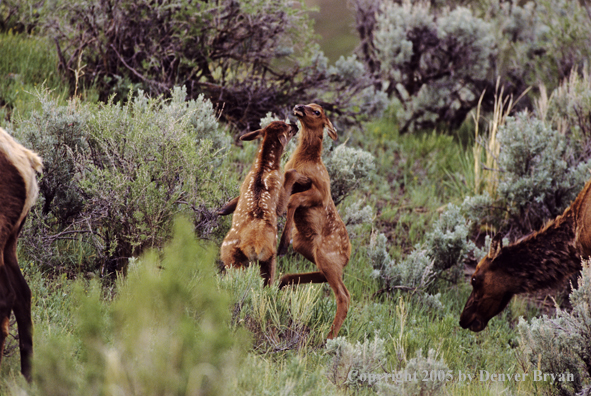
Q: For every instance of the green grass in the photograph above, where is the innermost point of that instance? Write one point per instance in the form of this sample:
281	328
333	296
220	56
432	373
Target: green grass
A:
27	64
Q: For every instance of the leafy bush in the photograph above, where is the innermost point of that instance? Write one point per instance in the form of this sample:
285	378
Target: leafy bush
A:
166	332
363	364
117	174
248	57
539	175
57	133
20	15
562	344
355	216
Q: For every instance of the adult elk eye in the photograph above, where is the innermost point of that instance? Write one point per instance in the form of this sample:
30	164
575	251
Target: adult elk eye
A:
317	112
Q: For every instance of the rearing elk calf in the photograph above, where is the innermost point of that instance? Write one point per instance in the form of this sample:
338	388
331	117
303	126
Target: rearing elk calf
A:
538	261
263	196
319	234
18	191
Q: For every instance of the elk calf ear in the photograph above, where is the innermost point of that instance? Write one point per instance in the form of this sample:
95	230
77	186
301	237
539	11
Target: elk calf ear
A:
495	246
332	131
252	135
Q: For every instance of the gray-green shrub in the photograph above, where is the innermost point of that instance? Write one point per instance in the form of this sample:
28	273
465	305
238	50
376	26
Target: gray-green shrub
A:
569	106
434	62
362	357
130	169
348	169
418	386
442	252
437	58
562	344
538	174
57	133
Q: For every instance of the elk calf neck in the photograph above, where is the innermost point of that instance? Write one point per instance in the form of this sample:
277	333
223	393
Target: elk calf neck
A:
318	232
263	196
18	192
541	260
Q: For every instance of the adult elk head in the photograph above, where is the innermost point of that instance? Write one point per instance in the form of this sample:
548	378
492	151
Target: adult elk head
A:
492	289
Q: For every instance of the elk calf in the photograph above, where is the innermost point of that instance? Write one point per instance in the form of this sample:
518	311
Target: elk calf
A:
263	196
319	234
18	191
538	261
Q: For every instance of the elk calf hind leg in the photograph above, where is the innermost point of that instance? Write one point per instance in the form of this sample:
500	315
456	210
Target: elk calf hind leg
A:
333	271
301	279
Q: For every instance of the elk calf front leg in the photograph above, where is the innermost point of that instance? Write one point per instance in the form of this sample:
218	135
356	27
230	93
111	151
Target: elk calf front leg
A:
292	177
229	207
306	198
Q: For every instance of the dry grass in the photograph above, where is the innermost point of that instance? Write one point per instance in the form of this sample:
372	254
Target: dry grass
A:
503	105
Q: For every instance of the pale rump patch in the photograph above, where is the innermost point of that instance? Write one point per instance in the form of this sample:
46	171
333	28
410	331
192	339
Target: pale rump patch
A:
27	163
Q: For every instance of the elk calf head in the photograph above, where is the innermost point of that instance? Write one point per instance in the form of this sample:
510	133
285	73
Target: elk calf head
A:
276	130
313	119
492	289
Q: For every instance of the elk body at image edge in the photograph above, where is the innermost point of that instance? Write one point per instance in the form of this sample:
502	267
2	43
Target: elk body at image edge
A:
538	261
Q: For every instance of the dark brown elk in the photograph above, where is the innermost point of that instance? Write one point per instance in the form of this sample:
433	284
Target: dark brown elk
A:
541	260
263	197
312	220
18	191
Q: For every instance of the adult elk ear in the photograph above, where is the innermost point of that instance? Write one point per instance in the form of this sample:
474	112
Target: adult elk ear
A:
495	246
332	131
252	135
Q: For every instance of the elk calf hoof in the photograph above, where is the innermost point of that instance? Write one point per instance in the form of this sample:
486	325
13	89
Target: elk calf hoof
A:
284	281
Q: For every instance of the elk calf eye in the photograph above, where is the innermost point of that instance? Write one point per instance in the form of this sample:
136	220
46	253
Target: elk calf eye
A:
317	112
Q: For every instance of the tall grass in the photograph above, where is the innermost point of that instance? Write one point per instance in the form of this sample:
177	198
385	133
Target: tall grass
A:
28	63
503	105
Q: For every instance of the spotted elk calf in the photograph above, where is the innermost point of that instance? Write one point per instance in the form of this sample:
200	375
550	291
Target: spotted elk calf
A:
312	221
263	197
18	192
541	260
